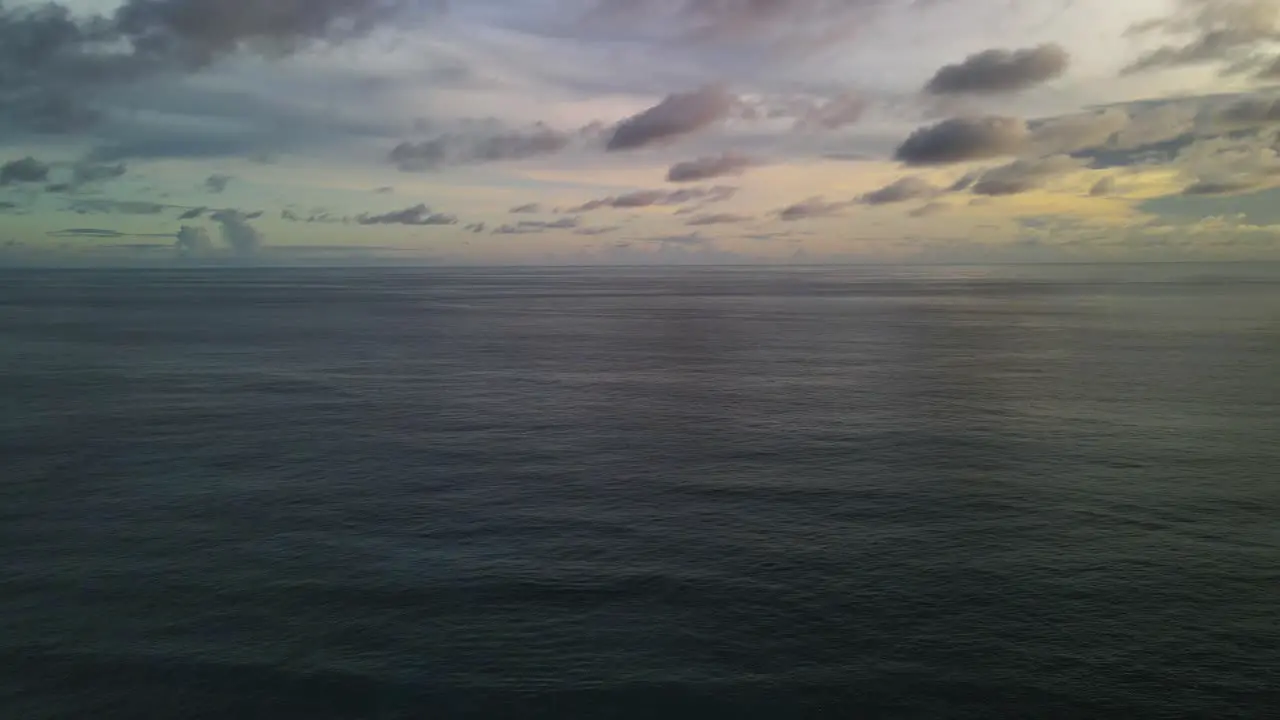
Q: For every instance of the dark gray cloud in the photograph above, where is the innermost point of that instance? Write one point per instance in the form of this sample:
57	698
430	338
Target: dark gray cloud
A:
706	168
1271	70
217	183
649	198
811	208
1105	187
1226	186
24	170
597	230
1021	176
530	227
95	206
529	208
1000	71
88	233
384	190
677	115
475	227
85	173
717	219
192	214
902	190
963	139
1209	31
1251	111
52	60
243	239
466	149
419	214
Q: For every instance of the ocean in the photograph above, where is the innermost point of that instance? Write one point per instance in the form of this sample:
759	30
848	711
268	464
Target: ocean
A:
840	492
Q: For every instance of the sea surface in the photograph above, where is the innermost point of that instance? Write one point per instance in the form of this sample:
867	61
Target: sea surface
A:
888	492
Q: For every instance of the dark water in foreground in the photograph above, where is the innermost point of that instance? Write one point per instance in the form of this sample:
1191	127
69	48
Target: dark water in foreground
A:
899	493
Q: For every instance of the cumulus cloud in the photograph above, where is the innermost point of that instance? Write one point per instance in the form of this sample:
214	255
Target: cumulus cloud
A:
677	115
465	149
902	190
193	241
1000	71
963	139
811	208
705	168
24	170
649	198
243	239
419	214
1021	176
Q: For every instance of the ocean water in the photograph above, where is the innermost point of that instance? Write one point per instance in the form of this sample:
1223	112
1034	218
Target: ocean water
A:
915	492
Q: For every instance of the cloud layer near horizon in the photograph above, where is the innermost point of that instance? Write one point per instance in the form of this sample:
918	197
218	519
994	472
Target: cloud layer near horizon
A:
879	126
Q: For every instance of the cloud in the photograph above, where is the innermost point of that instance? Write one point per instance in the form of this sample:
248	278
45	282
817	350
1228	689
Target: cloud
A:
963	139
597	230
90	172
24	170
1230	164
419	214
192	214
217	183
1020	176
243	239
716	219
648	198
1249	112
193	241
930	209
811	208
902	190
1209	31
89	233
120	207
760	26
475	227
842	110
1222	187
705	168
1270	71
52	58
677	115
1105	187
527	208
1077	132
1000	71
530	227
466	149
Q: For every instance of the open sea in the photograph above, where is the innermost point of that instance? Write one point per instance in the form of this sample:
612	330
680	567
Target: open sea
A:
883	492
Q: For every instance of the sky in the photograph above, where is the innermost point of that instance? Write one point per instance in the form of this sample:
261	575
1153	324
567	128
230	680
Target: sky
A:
638	131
